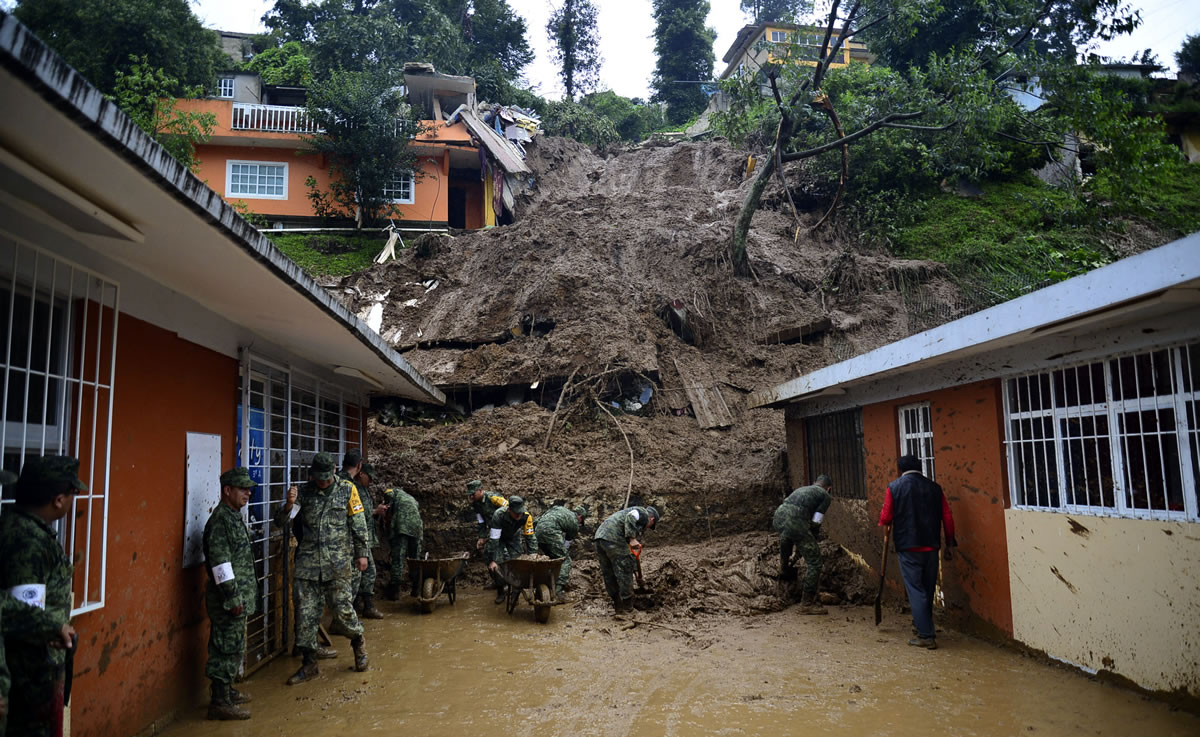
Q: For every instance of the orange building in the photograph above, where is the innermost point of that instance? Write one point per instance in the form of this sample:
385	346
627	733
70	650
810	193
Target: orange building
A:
158	337
257	155
1063	427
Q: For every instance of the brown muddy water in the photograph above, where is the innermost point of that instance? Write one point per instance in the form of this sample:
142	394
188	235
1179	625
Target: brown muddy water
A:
472	669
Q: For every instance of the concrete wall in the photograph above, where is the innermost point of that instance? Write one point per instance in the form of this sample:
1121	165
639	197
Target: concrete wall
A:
141	657
1118	595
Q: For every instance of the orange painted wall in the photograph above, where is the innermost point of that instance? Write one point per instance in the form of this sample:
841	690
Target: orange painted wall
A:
141	657
969	461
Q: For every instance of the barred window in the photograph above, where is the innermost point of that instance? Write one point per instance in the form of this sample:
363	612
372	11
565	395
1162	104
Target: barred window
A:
1113	437
834	443
400	189
916	435
262	180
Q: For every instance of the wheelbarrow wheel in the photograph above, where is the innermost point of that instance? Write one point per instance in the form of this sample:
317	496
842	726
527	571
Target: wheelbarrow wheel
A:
427	588
541	609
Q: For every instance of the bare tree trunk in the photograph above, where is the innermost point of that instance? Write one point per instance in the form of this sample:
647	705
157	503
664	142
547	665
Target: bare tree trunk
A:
742	228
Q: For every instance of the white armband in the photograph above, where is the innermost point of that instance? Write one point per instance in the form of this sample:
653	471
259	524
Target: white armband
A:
223	573
635	514
494	533
479	518
817	518
567	544
295	511
33	594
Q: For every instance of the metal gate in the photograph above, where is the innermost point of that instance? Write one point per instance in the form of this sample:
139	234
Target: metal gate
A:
835	447
285	417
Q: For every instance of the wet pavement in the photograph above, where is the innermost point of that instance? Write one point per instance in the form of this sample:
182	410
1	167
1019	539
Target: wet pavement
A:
472	669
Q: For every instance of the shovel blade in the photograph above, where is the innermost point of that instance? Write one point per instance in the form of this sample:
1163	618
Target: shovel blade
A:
878	612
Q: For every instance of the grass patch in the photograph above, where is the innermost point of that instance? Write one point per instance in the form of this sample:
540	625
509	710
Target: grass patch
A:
329	254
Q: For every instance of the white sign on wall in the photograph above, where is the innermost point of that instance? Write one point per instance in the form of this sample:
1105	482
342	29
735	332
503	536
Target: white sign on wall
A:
203	492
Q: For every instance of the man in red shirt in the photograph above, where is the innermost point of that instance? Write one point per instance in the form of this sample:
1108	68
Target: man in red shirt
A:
914	506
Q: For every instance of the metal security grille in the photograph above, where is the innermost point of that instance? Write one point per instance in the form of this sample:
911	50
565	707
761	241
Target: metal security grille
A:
916	435
59	355
835	447
1112	437
285	417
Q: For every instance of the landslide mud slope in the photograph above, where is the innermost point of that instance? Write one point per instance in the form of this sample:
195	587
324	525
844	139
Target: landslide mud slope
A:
581	284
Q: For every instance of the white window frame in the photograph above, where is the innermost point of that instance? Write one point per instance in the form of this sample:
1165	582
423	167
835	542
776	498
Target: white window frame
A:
226	87
90	304
916	434
389	189
229	189
1056	461
780	37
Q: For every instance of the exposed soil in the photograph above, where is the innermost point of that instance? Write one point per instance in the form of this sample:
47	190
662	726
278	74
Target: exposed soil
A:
617	274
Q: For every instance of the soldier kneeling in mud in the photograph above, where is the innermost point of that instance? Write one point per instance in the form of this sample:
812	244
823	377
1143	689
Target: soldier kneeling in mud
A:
798	522
616	542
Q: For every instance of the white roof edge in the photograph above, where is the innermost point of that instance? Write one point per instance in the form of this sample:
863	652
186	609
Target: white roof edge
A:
29	58
1129	279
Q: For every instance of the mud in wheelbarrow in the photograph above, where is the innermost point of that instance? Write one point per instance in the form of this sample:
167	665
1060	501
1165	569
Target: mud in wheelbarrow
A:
532	580
433	576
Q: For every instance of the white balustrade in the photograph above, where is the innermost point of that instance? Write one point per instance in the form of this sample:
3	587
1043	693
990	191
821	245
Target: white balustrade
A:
273	118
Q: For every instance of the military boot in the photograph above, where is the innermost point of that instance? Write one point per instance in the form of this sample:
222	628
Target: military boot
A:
368	609
392	592
238	697
308	671
499	595
222	707
360	654
325	653
810	605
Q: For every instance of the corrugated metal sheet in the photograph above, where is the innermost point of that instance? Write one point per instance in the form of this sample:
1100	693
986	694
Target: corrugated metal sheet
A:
498	147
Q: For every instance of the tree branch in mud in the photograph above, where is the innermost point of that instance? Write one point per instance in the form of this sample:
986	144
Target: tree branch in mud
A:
629	491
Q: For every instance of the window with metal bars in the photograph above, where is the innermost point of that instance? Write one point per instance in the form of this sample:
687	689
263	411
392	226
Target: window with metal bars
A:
916	435
835	447
1112	437
58	358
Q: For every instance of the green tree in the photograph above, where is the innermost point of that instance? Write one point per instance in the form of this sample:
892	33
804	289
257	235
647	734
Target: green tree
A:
367	130
1188	56
99	37
576	38
632	118
570	119
684	45
769	11
147	95
286	65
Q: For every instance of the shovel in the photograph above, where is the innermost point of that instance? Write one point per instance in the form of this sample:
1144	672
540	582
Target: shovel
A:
887	531
641	583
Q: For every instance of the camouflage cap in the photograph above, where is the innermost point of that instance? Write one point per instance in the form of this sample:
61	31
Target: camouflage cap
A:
238	477
322	467
473	486
581	511
7	477
516	504
368	469
40	470
653	513
352	458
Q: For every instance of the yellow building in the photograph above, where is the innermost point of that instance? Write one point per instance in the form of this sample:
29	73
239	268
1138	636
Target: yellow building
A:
773	43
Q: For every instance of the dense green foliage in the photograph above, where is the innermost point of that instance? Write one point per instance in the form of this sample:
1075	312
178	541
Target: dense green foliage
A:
367	129
684	46
1188	55
633	119
99	37
769	11
573	120
282	65
148	97
328	255
576	45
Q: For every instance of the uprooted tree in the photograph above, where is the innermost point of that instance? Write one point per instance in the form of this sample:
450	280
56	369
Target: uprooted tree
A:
955	96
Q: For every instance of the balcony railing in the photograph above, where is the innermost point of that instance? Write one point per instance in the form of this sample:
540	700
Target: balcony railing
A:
273	118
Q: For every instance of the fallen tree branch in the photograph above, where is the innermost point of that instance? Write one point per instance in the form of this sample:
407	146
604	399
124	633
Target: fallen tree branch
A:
629	491
561	395
635	622
827	106
860	133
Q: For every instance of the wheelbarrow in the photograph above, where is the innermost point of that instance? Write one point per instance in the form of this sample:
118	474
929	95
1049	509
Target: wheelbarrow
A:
432	576
532	580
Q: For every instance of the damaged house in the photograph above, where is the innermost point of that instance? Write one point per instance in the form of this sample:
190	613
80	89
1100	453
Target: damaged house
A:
1064	427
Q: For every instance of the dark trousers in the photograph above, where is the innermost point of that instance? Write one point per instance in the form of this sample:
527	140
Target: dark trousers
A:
920	572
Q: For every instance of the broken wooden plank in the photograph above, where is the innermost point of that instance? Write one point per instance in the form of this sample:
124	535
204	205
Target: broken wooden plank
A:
707	403
797	334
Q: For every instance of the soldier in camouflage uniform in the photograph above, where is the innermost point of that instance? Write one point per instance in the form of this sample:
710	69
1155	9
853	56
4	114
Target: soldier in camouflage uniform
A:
798	522
363	585
6	603
510	535
484	504
555	530
616	539
37	574
331	526
404	534
231	595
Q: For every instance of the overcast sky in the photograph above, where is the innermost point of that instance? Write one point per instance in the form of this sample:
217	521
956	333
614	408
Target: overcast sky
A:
627	44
